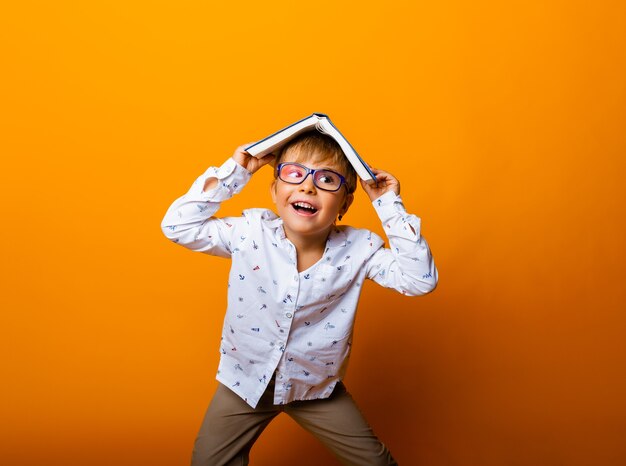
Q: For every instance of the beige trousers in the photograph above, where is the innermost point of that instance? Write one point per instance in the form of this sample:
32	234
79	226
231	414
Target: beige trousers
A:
230	428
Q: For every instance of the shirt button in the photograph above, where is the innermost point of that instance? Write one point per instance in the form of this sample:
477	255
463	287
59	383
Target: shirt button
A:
295	278
289	315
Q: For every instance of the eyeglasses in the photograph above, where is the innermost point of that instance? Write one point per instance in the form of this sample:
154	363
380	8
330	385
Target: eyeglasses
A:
294	173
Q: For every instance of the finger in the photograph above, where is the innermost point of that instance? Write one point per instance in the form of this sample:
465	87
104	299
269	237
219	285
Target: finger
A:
388	177
382	176
267	159
366	187
241	148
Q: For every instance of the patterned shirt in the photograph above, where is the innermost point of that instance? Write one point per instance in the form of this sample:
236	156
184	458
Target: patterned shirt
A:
297	325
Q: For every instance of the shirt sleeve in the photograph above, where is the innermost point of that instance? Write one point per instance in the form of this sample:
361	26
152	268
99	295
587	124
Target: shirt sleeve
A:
189	220
407	266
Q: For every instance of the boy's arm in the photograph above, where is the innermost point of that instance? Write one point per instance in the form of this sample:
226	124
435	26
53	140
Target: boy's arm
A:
189	221
408	265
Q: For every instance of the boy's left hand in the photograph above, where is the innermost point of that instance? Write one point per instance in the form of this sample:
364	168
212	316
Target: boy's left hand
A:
385	182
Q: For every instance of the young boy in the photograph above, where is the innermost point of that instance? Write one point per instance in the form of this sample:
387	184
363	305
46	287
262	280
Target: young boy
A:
293	291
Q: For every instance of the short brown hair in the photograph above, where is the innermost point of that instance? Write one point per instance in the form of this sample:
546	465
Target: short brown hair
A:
319	147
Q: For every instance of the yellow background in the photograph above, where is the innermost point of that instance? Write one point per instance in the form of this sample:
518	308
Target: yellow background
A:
504	122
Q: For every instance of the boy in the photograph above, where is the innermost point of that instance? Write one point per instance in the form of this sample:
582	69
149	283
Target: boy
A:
293	290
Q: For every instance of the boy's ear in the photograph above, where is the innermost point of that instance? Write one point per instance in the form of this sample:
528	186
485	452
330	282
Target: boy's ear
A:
273	191
346	204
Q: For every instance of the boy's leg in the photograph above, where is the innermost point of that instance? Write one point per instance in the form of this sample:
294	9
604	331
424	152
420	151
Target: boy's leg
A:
339	424
230	428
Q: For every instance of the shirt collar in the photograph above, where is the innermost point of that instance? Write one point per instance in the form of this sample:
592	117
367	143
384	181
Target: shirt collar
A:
336	238
275	223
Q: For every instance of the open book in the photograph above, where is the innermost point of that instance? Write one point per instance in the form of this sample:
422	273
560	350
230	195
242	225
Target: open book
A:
322	123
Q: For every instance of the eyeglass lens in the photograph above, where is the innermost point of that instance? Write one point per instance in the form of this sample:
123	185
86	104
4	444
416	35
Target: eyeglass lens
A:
323	179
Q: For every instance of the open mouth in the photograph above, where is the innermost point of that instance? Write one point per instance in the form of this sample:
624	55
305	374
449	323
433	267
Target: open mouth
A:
304	208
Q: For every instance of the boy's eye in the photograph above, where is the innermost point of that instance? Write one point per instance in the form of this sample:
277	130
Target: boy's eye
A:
328	178
293	172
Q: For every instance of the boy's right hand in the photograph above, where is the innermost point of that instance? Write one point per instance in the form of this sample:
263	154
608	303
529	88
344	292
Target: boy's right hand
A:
247	161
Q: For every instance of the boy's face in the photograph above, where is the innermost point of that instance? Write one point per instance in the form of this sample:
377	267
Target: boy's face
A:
306	223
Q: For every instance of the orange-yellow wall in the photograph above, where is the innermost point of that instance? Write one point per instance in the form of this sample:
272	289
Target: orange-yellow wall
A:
505	123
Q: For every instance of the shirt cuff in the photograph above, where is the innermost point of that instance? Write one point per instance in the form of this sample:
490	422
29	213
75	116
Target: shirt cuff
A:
395	218
389	205
231	178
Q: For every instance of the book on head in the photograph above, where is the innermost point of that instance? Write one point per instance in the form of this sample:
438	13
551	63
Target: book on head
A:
321	123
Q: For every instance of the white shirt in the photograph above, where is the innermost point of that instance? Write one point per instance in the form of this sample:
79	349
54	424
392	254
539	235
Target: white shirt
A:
297	324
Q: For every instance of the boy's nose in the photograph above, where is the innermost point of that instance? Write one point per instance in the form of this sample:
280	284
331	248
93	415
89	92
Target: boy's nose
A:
307	185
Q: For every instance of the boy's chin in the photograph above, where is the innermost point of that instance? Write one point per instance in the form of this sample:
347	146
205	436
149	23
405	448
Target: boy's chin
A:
305	225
